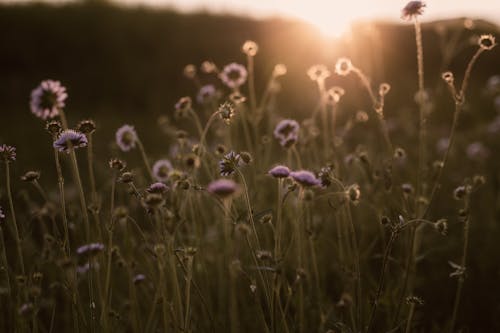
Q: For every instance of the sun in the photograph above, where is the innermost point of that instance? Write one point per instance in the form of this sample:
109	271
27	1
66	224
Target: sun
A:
329	25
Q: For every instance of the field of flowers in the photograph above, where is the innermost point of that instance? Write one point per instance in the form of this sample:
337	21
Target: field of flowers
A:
253	219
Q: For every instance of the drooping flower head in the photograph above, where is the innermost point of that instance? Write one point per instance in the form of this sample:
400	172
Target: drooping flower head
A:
234	75
279	171
47	99
206	94
158	188
412	10
161	169
287	132
7	153
70	139
126	137
223	188
305	178
229	163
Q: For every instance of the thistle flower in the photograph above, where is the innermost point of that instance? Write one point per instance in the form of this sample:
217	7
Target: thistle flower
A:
305	178
287	132
7	153
117	164
91	249
30	176
279	171
47	99
318	73
161	169
343	66
226	111
234	75
229	163
412	10
206	94
126	137
487	42
70	139
250	48
183	106
223	188
86	126
158	188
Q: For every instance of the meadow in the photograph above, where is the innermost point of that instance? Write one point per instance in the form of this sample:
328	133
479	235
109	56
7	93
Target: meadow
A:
197	173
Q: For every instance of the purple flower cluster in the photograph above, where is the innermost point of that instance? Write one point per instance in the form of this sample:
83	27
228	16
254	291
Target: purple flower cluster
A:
287	132
126	137
234	75
47	99
70	139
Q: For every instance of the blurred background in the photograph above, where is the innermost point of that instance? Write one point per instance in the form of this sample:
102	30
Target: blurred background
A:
123	63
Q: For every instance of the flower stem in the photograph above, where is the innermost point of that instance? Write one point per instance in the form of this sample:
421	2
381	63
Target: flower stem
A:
14	221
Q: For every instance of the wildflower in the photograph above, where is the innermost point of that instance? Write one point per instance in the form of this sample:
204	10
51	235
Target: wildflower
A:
183	106
442	226
226	111
325	175
192	161
223	188
208	67
206	94
460	192
279	171
70	139
237	98
53	127
47	99
153	201
91	249
161	169
318	73
229	163
279	70
250	48
158	188
305	178
383	89
30	176
343	66
487	42
353	193
334	94
234	75
190	71
86	126
117	164
138	278
412	10
8	153
246	157
126	177
407	188
126	137
287	132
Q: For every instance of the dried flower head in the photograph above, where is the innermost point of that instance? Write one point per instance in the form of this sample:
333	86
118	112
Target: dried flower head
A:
223	188
190	71
305	178
343	66
353	193
30	176
183	106
161	169
334	94
279	70
192	161
208	67
487	42
412	10
206	94
287	132
126	137
250	48
460	192
47	99
279	171
414	300
70	139
318	73
86	126
53	127
234	75
126	177
325	175
117	164
246	157
229	163
91	249
226	111
237	98
448	77
384	89
442	226
399	153
153	201
7	153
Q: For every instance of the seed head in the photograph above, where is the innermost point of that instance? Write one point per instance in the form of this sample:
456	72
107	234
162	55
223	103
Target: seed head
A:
246	157
7	153
343	66
460	192
126	177
47	99
30	176
161	169
279	171
383	89
70	139
353	193
117	164
229	163
226	111
279	70
223	188
487	42
86	126
53	127
442	226
412	10
234	75
250	48
318	73
399	153
334	94
448	77
126	137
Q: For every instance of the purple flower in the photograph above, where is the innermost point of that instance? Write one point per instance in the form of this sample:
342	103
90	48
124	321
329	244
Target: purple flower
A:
126	137
86	267
279	171
70	138
234	75
287	132
305	178
157	187
47	99
412	9
223	188
161	169
90	249
139	278
206	94
229	163
7	153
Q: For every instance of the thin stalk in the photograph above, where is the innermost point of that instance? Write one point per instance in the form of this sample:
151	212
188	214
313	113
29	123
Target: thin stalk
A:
410	318
189	277
249	207
205	130
251	83
62	199
145	158
197	122
14	221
